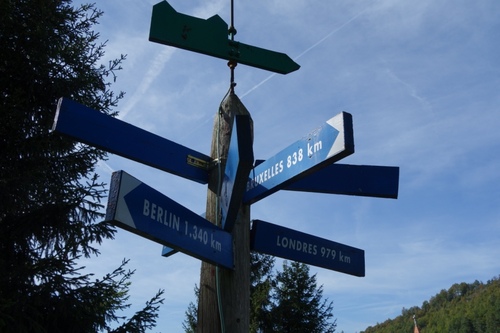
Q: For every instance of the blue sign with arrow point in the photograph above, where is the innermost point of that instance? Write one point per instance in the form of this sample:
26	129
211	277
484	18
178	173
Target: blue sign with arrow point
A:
325	145
140	209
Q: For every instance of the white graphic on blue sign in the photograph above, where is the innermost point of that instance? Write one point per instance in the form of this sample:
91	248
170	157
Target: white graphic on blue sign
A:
141	209
327	144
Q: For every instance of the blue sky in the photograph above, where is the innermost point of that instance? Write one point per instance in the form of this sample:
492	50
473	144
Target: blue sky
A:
422	81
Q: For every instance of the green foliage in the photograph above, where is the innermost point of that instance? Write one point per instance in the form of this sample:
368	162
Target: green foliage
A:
190	323
463	308
297	304
143	319
260	285
288	302
260	289
50	196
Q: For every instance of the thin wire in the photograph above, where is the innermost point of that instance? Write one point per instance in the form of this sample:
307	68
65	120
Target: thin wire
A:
232	29
232	64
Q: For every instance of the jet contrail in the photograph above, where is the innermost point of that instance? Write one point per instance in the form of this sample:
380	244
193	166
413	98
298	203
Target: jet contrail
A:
308	49
158	63
331	33
152	73
259	84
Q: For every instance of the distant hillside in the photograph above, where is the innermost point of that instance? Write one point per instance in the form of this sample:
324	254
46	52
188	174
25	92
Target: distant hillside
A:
464	308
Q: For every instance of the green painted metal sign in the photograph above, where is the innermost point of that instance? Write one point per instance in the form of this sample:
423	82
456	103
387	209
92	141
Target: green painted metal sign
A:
210	37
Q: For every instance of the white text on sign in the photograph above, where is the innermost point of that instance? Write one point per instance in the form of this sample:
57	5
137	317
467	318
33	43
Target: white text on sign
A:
292	159
192	231
312	249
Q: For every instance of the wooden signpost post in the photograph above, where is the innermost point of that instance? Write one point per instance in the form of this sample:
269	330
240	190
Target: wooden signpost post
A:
223	238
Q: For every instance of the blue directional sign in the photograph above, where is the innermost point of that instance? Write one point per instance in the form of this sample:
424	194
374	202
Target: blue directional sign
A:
238	166
325	145
140	209
118	137
359	180
290	244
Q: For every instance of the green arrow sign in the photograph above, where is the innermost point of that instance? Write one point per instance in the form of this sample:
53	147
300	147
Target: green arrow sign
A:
210	37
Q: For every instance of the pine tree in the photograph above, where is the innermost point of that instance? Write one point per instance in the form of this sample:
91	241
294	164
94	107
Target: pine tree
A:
190	323
260	289
297	304
260	286
470	308
50	197
289	302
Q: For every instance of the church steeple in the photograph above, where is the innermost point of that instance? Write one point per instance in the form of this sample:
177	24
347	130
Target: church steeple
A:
415	329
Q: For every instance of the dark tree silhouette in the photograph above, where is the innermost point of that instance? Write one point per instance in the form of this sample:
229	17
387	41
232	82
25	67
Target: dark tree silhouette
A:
50	197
